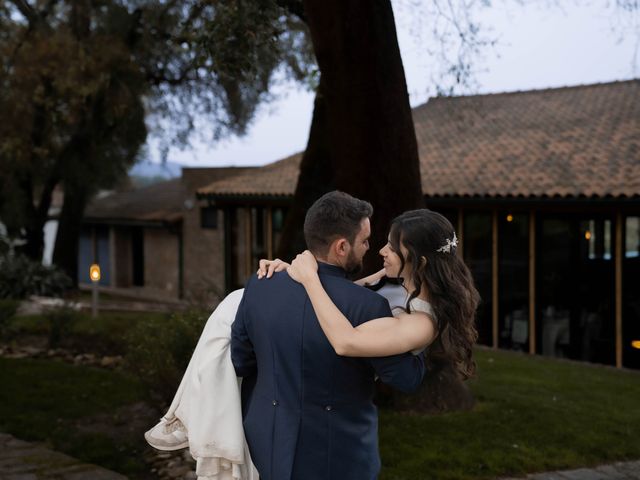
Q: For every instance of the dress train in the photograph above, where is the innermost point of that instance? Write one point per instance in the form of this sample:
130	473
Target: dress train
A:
207	403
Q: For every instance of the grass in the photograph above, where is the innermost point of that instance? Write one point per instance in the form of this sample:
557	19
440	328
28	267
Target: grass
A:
533	414
49	401
104	334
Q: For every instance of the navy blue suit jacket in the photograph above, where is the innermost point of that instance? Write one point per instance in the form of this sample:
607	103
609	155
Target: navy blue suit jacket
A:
308	413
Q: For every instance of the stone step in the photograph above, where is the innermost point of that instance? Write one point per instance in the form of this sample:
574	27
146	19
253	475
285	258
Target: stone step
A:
20	460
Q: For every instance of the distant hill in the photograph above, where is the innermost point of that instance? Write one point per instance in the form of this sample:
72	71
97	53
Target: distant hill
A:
151	169
147	172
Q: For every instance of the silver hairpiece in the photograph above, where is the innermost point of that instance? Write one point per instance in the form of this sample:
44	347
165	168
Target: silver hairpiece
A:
446	248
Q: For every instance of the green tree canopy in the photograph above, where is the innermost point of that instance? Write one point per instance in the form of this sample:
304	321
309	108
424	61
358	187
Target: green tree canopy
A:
81	81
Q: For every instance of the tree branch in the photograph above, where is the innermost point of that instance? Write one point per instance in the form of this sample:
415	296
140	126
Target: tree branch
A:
28	11
294	7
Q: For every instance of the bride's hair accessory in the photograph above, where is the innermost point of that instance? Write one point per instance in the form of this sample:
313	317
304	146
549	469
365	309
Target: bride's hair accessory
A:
446	248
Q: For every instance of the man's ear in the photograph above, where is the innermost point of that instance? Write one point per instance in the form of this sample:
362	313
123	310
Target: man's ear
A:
341	247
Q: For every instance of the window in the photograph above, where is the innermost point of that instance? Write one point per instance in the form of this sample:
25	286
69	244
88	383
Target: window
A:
632	240
575	288
631	293
513	269
209	217
477	255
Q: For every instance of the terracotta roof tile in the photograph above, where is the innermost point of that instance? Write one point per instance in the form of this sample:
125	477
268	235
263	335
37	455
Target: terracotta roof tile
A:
562	142
276	179
160	202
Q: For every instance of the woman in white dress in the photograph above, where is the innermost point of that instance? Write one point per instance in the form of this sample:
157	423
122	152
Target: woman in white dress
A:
438	312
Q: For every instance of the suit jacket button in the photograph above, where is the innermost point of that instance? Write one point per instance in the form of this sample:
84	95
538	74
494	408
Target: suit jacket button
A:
328	408
275	403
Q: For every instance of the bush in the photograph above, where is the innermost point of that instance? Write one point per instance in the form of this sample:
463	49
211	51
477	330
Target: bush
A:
8	308
158	351
61	321
21	277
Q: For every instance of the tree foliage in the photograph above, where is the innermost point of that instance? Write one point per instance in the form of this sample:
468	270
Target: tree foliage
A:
81	81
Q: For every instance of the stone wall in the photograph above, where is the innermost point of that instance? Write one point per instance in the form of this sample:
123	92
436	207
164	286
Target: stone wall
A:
203	257
161	261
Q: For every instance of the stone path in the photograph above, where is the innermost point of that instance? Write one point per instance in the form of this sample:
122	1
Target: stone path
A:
616	471
20	460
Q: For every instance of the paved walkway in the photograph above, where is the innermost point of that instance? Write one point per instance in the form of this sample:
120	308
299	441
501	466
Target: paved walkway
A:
616	471
20	460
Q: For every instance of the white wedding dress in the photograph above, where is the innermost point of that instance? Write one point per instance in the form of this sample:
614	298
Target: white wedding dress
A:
207	402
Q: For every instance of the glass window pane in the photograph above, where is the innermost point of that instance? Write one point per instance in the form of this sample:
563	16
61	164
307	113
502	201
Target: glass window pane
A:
631	294
575	289
513	267
477	255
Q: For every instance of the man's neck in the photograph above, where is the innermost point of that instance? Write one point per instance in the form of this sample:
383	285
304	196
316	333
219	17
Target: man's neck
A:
328	261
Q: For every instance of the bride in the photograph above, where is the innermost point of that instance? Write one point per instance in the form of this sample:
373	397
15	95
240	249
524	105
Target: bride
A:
434	314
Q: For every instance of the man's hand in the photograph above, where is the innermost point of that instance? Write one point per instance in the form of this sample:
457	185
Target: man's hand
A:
268	267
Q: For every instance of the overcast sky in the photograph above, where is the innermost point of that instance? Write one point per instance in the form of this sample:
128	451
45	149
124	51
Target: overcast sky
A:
539	47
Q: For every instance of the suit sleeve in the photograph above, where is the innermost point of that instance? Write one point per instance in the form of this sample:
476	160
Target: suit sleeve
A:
243	356
403	372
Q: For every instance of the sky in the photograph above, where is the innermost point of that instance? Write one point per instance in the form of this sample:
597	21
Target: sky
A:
569	43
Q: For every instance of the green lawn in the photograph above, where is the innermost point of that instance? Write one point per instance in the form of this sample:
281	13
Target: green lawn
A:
104	334
533	414
64	406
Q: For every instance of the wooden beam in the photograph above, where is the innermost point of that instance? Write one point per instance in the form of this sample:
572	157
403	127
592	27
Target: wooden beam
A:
618	266
112	256
247	236
269	230
532	282
494	278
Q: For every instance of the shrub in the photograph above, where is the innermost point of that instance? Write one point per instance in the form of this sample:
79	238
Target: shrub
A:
8	308
158	351
21	277
61	320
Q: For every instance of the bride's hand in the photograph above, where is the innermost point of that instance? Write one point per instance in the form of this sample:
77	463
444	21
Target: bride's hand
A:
303	268
268	267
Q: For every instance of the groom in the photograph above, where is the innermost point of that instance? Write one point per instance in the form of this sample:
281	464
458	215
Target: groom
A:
308	413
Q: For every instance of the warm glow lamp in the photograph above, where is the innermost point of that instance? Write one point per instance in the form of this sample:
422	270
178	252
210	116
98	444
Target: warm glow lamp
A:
94	272
635	344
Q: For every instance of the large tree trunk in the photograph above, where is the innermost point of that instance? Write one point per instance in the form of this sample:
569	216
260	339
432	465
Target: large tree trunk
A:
316	178
441	391
371	141
373	147
65	254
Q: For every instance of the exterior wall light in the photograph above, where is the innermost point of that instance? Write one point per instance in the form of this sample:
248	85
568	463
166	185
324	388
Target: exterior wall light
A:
94	272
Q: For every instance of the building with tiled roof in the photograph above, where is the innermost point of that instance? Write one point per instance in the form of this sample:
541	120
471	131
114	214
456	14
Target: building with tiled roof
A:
544	189
157	239
277	179
574	142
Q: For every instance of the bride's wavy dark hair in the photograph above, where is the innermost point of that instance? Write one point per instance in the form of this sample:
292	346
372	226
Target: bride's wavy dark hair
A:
450	288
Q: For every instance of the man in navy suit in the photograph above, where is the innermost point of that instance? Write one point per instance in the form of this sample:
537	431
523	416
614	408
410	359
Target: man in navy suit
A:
309	413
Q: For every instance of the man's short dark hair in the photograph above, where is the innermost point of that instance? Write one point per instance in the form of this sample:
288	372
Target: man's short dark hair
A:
334	215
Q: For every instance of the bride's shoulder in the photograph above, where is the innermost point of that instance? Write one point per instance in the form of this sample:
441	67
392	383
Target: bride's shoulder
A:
419	305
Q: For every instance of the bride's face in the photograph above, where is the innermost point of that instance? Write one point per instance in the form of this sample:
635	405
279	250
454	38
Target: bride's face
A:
392	263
